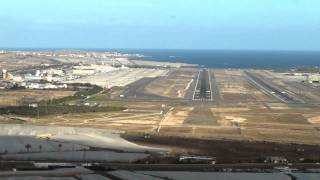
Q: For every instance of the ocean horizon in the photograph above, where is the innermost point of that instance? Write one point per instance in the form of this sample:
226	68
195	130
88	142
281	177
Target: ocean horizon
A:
256	59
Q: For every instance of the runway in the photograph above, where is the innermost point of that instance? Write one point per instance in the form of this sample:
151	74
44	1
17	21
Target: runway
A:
203	88
272	89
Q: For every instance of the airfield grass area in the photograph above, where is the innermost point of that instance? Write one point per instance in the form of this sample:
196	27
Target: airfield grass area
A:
241	122
240	111
16	97
233	86
174	85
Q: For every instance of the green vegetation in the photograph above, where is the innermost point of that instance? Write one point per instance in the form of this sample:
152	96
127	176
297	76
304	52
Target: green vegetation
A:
11	120
301	69
83	91
53	110
60	105
100	98
307	69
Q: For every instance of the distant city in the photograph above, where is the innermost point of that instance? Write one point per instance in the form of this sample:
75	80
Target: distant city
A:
54	70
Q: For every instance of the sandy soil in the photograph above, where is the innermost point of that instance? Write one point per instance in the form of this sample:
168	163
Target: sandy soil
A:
12	61
314	120
177	116
175	85
234	86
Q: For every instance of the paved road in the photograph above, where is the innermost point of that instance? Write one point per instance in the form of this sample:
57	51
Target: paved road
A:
204	167
164	167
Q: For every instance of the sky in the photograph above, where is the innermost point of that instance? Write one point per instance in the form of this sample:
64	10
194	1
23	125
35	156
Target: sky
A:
161	24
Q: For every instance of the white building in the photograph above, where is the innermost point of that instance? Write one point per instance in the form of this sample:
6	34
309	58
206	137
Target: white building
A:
83	72
53	71
30	77
45	86
313	78
4	74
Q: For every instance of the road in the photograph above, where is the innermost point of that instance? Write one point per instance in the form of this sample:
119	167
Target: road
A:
6	165
204	167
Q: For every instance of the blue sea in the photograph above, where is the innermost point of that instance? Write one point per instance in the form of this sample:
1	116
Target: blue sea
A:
235	58
226	58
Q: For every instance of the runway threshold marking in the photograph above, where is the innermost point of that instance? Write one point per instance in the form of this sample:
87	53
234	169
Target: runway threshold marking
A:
202	93
211	94
195	88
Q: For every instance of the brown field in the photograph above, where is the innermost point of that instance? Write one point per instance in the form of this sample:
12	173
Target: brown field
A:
11	98
175	85
177	116
237	123
12	61
234	86
138	118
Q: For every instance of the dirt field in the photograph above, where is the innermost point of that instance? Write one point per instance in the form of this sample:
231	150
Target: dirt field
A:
177	116
201	116
12	61
11	98
251	123
139	117
233	86
175	85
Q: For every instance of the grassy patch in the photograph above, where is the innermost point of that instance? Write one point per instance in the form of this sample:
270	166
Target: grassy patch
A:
100	98
9	120
53	110
83	91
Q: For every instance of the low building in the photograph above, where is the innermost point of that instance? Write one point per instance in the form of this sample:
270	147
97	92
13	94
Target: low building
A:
30	77
313	78
276	160
17	78
6	85
197	159
53	72
45	86
4	74
51	78
83	72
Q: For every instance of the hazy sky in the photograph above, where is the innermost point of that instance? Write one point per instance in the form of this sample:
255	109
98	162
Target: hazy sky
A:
166	24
